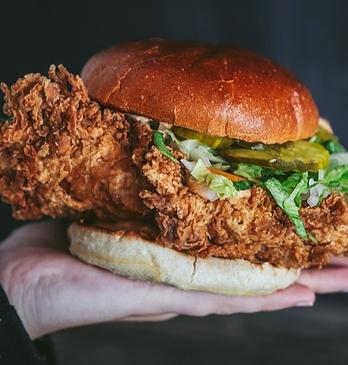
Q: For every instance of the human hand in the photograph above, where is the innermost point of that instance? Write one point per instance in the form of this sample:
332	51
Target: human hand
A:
52	290
332	278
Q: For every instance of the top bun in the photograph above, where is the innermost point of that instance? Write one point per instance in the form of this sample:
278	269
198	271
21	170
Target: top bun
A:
215	90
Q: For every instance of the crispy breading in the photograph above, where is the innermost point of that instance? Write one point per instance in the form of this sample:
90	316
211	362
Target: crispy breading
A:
250	227
62	155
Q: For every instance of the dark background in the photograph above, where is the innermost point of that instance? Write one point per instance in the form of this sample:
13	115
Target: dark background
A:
310	38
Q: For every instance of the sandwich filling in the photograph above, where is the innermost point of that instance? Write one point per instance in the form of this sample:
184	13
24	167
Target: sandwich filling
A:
64	155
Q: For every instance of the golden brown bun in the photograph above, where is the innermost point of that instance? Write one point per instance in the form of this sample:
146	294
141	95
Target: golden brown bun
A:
128	253
216	90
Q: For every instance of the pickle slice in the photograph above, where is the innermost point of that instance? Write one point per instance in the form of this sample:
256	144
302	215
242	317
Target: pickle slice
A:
323	135
291	156
213	142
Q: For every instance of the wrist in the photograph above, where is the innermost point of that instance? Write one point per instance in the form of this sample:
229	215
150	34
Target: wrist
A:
14	281
15	345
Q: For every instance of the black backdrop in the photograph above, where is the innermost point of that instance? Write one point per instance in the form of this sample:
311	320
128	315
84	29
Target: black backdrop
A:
308	37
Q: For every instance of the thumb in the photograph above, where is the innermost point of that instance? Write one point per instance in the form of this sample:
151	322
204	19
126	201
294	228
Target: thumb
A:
202	304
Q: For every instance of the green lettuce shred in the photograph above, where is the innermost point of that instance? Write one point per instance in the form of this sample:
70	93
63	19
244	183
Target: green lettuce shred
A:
256	172
158	139
243	185
337	179
290	203
334	146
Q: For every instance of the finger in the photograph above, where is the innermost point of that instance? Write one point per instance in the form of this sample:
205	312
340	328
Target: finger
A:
328	280
118	297
202	304
154	318
339	261
52	233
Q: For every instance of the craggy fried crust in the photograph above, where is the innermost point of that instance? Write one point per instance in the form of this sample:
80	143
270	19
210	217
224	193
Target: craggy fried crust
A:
62	155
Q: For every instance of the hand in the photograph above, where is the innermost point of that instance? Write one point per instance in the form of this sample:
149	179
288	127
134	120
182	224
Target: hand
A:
332	278
52	290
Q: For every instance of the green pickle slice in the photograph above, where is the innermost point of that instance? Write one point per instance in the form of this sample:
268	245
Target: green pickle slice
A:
213	142
323	135
291	156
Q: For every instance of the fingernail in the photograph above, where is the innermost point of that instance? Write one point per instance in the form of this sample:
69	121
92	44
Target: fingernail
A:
304	304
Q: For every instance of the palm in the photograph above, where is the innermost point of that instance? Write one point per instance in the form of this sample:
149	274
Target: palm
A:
52	290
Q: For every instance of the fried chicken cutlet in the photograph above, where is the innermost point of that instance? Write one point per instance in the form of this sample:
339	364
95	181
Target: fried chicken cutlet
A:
64	155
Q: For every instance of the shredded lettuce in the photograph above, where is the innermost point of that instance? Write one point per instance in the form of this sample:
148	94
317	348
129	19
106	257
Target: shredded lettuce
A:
291	183
217	183
256	172
249	171
221	185
338	159
195	151
200	171
337	179
221	166
159	141
333	146
243	185
290	203
333	179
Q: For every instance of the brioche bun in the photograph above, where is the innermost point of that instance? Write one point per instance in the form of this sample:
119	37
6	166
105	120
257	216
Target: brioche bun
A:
215	90
127	252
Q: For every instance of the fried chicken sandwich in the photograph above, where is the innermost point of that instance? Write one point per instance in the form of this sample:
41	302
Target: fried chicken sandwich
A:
200	166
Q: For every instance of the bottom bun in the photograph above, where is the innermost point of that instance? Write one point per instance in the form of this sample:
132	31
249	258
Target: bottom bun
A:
126	252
